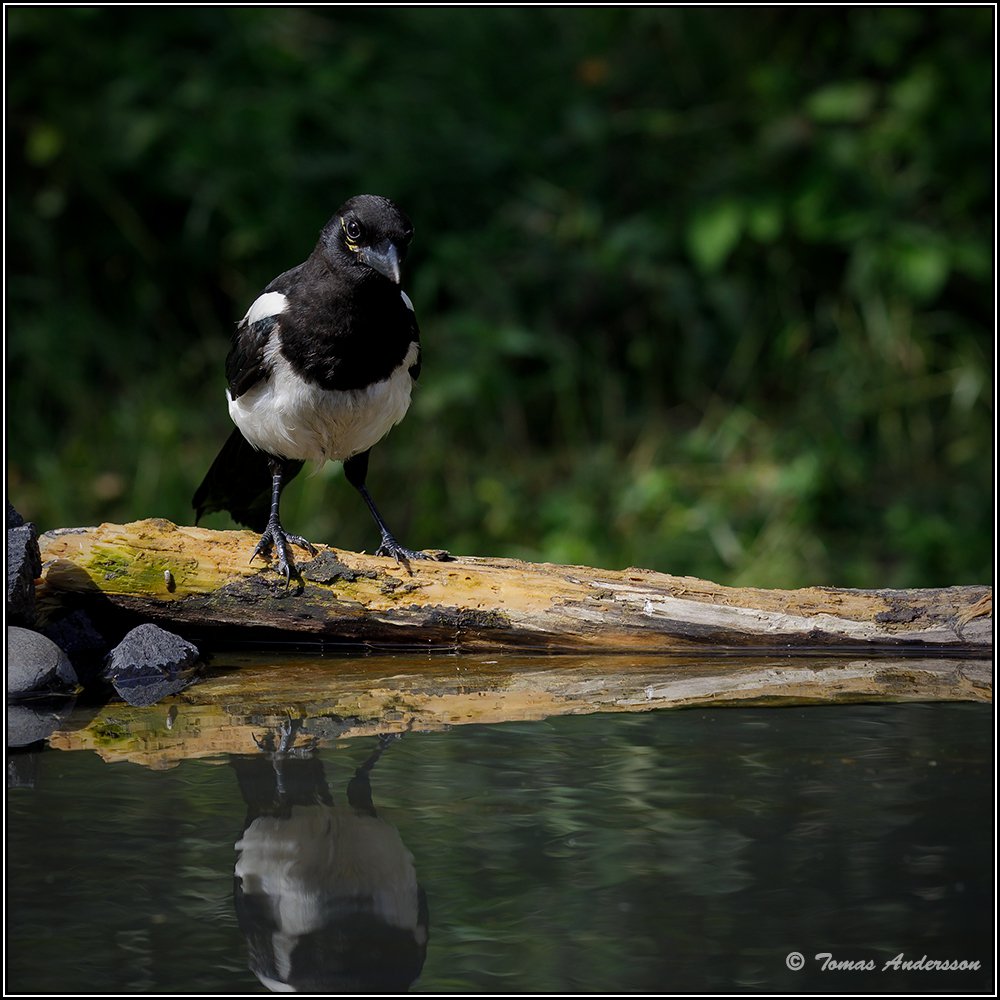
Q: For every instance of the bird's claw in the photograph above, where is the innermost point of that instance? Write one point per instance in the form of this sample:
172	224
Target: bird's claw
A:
276	537
391	548
280	742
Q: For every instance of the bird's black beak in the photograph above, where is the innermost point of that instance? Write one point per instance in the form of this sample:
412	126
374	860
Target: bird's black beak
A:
384	258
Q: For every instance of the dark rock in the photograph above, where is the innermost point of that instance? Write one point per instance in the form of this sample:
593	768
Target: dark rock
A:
14	520
76	635
29	722
24	566
35	665
151	663
150	647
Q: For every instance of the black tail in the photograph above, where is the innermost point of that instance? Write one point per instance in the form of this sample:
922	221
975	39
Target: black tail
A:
239	482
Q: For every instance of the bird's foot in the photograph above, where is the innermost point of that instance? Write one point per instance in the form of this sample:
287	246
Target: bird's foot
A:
281	742
277	538
390	547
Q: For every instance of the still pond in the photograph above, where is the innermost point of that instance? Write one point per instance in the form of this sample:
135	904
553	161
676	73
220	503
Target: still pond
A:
698	850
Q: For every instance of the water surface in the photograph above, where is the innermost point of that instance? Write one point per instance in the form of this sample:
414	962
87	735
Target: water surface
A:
662	852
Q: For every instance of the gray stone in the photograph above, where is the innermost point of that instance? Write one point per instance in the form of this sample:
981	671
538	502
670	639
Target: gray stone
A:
24	566
35	665
14	520
149	647
151	663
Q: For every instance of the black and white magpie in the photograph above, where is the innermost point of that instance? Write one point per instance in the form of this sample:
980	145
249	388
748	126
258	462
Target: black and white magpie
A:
326	893
321	368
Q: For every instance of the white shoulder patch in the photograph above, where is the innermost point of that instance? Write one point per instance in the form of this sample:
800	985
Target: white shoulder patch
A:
406	300
268	304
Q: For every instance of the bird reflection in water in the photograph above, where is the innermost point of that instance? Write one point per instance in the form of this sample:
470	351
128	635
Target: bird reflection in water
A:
326	894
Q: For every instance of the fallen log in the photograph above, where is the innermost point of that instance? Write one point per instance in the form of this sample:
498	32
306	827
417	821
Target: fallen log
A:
199	582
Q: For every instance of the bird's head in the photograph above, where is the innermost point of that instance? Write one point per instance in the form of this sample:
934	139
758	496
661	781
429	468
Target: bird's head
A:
368	232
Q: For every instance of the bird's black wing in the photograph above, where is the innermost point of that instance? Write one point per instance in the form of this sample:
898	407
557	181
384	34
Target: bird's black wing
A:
247	362
239	481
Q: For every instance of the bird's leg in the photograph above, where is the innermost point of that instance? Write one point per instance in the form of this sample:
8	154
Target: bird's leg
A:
389	546
356	470
359	789
276	536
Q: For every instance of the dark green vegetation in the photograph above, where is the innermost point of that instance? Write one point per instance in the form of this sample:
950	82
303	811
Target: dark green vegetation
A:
707	291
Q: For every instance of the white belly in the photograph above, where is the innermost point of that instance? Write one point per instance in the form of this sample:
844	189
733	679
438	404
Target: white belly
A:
286	416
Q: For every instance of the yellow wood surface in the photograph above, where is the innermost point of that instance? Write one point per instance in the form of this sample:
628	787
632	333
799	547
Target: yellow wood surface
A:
201	582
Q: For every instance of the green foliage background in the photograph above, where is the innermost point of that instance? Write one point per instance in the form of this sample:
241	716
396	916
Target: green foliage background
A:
706	290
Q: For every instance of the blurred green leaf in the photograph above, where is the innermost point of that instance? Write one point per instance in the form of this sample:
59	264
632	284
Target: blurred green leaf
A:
44	144
914	93
921	268
764	221
713	232
843	101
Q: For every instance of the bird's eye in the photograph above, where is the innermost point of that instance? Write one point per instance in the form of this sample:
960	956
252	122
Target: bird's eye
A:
353	230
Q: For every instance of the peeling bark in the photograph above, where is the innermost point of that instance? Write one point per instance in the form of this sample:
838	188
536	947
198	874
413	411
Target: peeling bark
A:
199	582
